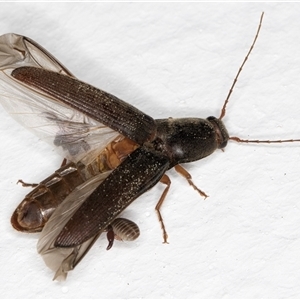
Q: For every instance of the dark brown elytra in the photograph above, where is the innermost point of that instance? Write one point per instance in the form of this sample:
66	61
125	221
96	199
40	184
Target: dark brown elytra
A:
163	144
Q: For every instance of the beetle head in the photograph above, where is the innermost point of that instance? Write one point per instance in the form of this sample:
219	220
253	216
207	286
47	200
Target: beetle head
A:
221	132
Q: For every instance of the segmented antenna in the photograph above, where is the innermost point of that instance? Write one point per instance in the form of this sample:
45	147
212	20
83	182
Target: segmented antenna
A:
223	111
237	139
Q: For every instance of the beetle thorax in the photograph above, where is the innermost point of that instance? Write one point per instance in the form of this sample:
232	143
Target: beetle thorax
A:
190	139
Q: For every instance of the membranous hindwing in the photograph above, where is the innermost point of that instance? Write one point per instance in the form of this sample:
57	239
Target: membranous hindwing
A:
78	137
72	133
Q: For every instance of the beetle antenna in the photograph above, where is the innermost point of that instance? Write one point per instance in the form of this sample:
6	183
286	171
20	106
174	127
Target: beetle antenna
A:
237	139
223	111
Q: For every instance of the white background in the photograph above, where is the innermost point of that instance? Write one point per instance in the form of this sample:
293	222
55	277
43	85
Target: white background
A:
174	60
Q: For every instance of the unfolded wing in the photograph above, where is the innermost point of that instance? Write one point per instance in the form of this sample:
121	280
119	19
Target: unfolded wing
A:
43	96
72	132
19	51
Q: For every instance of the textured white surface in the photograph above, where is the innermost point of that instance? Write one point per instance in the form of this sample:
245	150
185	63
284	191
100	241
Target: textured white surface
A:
174	60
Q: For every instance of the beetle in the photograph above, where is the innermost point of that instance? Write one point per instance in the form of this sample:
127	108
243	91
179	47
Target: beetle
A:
162	144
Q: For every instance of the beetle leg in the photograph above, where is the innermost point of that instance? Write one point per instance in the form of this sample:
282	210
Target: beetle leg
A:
110	237
24	184
33	185
165	180
182	171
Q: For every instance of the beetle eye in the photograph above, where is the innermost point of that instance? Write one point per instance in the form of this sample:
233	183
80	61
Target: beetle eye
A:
221	132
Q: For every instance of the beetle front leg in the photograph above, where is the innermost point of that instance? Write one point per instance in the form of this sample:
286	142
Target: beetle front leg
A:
182	171
165	180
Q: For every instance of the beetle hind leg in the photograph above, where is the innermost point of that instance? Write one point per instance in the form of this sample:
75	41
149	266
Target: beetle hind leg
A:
33	185
24	184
